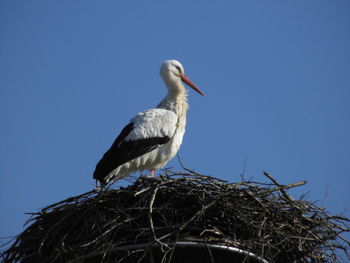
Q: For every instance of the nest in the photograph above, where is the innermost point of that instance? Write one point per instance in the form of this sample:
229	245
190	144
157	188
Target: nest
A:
150	219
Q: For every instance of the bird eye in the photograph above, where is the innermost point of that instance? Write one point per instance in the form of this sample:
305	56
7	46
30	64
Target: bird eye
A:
179	69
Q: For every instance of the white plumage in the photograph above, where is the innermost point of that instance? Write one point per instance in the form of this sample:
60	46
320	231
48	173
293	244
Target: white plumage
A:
153	123
152	137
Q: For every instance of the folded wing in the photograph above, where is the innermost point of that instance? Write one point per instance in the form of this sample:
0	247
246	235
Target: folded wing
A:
147	131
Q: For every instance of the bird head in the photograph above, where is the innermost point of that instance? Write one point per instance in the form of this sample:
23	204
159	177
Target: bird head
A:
173	75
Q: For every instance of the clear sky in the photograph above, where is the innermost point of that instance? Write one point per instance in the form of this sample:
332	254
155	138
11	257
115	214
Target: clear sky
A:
72	74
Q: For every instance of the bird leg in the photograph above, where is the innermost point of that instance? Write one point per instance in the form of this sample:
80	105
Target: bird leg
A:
151	174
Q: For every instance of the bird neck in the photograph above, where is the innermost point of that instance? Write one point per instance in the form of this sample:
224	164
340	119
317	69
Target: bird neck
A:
176	101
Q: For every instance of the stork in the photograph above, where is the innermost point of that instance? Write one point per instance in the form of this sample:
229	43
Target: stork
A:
152	137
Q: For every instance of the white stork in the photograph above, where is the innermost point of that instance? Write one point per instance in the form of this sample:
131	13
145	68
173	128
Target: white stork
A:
152	137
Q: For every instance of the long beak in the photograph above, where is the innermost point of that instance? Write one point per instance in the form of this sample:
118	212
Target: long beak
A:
191	84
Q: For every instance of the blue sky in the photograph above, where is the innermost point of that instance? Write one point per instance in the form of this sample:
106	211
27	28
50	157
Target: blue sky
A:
72	74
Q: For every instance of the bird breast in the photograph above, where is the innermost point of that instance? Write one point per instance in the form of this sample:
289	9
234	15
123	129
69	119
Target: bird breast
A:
168	151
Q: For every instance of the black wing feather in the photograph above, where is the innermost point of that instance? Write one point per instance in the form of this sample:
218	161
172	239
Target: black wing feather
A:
123	151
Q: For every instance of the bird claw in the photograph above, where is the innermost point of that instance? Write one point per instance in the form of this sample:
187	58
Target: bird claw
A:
149	177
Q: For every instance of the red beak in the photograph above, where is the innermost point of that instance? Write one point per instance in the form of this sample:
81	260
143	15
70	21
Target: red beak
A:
191	84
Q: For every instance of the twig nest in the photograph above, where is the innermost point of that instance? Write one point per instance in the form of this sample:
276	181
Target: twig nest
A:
150	219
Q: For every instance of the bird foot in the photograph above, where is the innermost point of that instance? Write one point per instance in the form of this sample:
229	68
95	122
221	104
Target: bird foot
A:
150	176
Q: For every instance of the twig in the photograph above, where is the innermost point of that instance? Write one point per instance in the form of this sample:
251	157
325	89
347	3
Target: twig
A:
281	187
